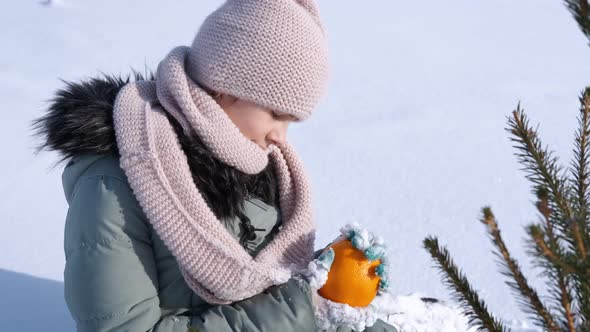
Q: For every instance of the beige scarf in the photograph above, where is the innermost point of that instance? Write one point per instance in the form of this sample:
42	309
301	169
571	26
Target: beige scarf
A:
212	262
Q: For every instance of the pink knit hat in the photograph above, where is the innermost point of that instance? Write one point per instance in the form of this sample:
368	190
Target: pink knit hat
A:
269	52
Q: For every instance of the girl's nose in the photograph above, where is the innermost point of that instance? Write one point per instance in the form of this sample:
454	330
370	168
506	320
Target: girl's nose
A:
277	136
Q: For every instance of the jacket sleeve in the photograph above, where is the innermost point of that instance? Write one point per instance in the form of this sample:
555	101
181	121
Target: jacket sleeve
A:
379	326
110	277
286	307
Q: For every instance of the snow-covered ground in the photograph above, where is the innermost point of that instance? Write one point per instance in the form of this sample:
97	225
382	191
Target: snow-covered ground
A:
409	140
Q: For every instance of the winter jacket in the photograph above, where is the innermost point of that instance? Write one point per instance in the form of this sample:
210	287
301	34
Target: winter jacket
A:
119	275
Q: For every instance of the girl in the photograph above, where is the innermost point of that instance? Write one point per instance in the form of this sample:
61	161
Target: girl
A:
187	207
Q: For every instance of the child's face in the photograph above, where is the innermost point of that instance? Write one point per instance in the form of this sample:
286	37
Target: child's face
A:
261	125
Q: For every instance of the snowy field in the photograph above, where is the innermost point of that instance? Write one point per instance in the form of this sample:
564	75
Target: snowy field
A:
409	141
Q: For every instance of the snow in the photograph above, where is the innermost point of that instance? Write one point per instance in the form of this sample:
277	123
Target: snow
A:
409	139
410	313
330	315
317	270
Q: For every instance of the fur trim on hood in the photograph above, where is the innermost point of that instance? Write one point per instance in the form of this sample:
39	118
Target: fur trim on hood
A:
80	121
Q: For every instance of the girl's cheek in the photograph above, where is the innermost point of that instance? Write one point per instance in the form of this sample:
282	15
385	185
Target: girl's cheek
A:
254	130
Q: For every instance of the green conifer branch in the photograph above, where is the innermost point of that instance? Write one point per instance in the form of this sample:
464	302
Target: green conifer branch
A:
580	9
473	307
580	174
581	12
580	227
558	270
545	244
582	307
543	171
529	301
566	303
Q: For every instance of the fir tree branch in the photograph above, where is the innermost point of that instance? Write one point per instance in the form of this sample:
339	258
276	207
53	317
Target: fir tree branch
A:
580	9
473	307
581	286
581	12
542	169
580	174
558	270
552	250
543	207
566	301
580	228
530	301
578	237
543	249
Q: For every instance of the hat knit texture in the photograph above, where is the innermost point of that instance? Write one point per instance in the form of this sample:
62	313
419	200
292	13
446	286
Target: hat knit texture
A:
270	52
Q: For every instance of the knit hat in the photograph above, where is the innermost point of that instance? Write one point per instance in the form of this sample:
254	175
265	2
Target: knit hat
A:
269	52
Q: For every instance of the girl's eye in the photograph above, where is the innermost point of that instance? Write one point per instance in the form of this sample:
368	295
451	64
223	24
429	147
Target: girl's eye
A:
283	117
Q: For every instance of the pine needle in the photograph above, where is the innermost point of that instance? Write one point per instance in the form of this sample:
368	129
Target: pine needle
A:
530	301
542	170
580	224
581	12
472	306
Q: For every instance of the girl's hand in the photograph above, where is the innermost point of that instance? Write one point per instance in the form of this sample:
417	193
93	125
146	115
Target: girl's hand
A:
317	270
356	264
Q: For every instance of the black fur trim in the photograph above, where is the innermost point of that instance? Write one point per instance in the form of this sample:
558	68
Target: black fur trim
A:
80	118
80	121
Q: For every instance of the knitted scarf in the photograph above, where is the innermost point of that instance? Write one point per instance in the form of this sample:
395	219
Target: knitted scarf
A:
214	265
